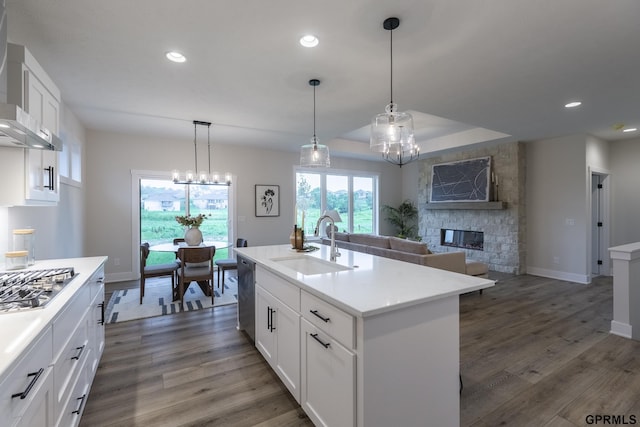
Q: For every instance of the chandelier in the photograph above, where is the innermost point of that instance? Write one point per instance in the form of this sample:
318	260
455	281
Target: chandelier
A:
392	131
203	177
314	154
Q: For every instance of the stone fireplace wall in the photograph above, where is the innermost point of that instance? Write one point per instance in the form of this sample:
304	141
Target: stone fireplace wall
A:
504	229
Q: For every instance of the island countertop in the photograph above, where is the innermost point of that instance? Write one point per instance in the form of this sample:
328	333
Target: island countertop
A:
372	284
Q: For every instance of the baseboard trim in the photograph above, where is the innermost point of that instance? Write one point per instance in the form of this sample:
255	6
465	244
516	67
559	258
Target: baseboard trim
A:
621	329
120	277
559	275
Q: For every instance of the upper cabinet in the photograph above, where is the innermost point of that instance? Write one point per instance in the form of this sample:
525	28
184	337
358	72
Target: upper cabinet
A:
29	87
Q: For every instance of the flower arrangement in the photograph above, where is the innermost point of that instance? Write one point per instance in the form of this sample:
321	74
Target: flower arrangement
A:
191	221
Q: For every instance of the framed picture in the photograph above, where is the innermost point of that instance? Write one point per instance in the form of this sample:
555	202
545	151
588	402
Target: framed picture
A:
461	181
267	200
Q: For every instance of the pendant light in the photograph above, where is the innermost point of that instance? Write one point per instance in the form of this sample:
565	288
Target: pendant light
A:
392	131
314	154
204	177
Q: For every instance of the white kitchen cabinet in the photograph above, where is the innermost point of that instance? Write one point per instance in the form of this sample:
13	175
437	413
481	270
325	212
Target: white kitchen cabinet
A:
39	412
278	328
29	87
328	380
75	362
48	382
27	393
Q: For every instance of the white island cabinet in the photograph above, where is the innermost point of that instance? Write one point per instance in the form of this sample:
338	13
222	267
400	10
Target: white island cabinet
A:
378	338
50	355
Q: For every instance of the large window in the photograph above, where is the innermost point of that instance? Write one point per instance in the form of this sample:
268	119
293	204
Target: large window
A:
161	200
354	195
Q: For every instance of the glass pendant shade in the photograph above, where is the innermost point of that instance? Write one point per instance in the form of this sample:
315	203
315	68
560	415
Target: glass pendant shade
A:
392	130
314	155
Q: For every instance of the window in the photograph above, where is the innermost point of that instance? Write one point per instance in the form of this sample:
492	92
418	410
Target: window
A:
70	161
161	200
354	195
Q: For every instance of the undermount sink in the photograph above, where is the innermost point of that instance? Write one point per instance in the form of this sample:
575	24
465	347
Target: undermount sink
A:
308	265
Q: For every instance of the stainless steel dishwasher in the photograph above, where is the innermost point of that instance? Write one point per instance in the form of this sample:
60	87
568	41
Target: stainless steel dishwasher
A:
246	296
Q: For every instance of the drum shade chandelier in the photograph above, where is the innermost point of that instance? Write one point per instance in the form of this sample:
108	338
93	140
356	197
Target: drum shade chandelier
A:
314	154
203	177
392	131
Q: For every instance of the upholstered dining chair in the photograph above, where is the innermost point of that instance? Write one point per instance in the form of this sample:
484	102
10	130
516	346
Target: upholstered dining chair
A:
197	265
229	263
157	270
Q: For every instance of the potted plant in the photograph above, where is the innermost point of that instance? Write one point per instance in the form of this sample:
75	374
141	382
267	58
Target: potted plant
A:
403	217
193	235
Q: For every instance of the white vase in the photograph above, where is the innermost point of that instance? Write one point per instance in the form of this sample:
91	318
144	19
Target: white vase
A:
193	236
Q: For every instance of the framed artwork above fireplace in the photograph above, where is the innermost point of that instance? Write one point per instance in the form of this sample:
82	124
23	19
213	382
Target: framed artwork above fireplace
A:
461	181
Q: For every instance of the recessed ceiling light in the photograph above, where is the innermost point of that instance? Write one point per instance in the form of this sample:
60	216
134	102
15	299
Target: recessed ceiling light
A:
175	56
629	130
309	41
573	104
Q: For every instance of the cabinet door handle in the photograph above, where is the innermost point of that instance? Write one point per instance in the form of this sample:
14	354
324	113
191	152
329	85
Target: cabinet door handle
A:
268	318
33	381
101	320
324	319
273	328
50	173
322	343
81	399
77	356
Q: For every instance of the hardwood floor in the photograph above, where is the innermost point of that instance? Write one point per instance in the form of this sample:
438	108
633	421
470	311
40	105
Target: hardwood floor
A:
533	352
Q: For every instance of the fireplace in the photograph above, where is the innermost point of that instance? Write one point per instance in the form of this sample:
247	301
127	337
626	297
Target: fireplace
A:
462	239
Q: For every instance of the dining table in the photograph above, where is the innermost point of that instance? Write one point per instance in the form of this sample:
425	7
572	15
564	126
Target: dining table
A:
170	247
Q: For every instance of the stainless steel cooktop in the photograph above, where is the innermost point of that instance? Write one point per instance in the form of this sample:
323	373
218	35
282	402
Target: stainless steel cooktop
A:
28	289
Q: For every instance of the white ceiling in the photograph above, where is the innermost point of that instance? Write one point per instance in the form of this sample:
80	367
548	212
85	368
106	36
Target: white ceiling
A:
469	70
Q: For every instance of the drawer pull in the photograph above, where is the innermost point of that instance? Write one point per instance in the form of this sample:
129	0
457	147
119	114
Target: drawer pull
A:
101	321
77	356
81	399
322	343
324	319
26	391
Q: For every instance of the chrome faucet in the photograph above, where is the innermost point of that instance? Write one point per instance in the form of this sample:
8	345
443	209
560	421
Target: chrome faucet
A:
334	249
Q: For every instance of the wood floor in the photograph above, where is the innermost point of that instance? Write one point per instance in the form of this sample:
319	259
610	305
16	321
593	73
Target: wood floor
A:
534	352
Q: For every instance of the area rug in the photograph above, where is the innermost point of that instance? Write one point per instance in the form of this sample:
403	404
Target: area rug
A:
125	303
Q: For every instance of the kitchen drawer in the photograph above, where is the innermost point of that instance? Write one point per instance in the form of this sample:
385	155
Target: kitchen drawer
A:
67	321
71	410
71	358
26	378
329	318
96	283
280	288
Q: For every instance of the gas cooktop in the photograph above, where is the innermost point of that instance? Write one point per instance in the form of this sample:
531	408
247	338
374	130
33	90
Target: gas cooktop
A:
28	289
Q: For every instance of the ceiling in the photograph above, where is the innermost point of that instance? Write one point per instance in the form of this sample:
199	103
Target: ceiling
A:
470	71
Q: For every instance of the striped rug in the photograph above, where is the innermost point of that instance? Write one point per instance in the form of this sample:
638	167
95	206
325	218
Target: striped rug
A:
125	303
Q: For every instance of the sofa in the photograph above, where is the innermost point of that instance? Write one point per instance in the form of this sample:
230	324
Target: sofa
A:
409	251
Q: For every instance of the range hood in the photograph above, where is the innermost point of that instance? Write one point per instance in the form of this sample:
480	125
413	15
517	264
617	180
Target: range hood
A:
19	129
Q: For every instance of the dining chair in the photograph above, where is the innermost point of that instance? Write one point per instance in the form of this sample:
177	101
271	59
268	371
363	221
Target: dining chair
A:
176	242
229	263
156	270
197	265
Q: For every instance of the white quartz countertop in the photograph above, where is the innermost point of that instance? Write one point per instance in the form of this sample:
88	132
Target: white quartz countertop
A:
373	285
19	329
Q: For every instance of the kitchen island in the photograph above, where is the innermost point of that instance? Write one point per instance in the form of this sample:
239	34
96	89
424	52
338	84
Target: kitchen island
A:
363	341
49	355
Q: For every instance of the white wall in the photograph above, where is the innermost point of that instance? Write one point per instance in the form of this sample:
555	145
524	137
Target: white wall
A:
625	164
112	156
557	207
